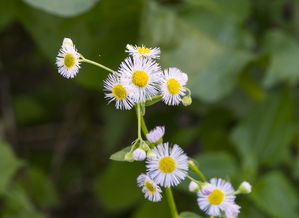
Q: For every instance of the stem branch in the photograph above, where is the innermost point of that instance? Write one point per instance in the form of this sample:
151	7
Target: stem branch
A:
96	64
171	203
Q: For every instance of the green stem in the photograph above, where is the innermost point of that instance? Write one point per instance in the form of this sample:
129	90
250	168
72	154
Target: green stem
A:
171	203
193	167
139	120
96	64
143	126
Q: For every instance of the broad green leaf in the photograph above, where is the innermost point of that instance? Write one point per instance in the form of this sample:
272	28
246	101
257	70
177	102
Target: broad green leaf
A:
212	66
217	164
189	215
116	188
147	209
8	166
120	155
65	8
265	134
17	204
39	187
284	54
274	194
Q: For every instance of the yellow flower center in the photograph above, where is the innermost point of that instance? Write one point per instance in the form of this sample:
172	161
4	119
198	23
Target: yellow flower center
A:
167	164
69	60
143	50
140	78
119	92
173	86
150	187
216	197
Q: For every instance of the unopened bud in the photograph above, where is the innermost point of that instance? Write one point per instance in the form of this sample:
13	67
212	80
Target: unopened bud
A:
187	100
129	157
193	187
67	42
144	146
139	154
245	188
151	155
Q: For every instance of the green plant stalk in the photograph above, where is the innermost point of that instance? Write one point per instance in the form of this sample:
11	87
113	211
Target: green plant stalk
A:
170	199
171	202
197	171
96	64
139	120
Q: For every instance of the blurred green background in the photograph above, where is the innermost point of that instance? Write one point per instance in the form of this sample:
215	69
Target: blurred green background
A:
56	135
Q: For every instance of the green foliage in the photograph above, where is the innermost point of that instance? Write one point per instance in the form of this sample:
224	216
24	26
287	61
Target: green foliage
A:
189	215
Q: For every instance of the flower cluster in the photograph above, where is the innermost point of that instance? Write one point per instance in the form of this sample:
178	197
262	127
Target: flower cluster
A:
139	78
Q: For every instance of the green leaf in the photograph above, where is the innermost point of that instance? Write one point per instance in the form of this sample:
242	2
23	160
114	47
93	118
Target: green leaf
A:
8	166
217	164
40	188
64	8
265	134
296	168
7	13
195	51
284	55
116	188
186	214
120	155
161	209
274	194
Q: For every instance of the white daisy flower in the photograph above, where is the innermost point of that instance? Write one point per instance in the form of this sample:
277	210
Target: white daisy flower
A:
155	134
67	59
118	92
142	75
150	189
170	166
215	197
137	51
172	86
139	154
232	210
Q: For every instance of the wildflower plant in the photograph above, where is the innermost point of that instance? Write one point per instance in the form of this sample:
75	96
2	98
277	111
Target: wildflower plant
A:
140	82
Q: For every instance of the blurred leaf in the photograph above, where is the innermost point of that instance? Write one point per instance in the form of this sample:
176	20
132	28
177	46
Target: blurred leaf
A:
275	195
147	208
117	188
120	155
40	188
8	166
195	51
116	123
189	215
17	205
267	131
284	55
296	168
217	164
7	13
65	8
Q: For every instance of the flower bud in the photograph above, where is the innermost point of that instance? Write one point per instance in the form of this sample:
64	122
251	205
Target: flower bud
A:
193	187
129	157
151	155
144	146
139	154
187	100
245	188
67	42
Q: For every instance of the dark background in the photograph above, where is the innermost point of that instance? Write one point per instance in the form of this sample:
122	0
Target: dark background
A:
56	135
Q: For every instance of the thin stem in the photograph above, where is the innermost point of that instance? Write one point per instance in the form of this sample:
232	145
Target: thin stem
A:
139	120
143	126
193	167
171	203
96	64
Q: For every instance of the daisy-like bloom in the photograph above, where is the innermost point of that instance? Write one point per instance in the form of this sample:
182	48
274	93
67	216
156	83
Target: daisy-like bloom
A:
170	166
143	75
118	92
216	197
150	189
232	210
137	51
172	86
155	134
67	59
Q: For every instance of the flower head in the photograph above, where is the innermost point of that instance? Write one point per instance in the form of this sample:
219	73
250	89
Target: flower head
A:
67	59
142	75
216	197
232	210
170	166
137	51
150	189
118	91
139	154
155	134
172	86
